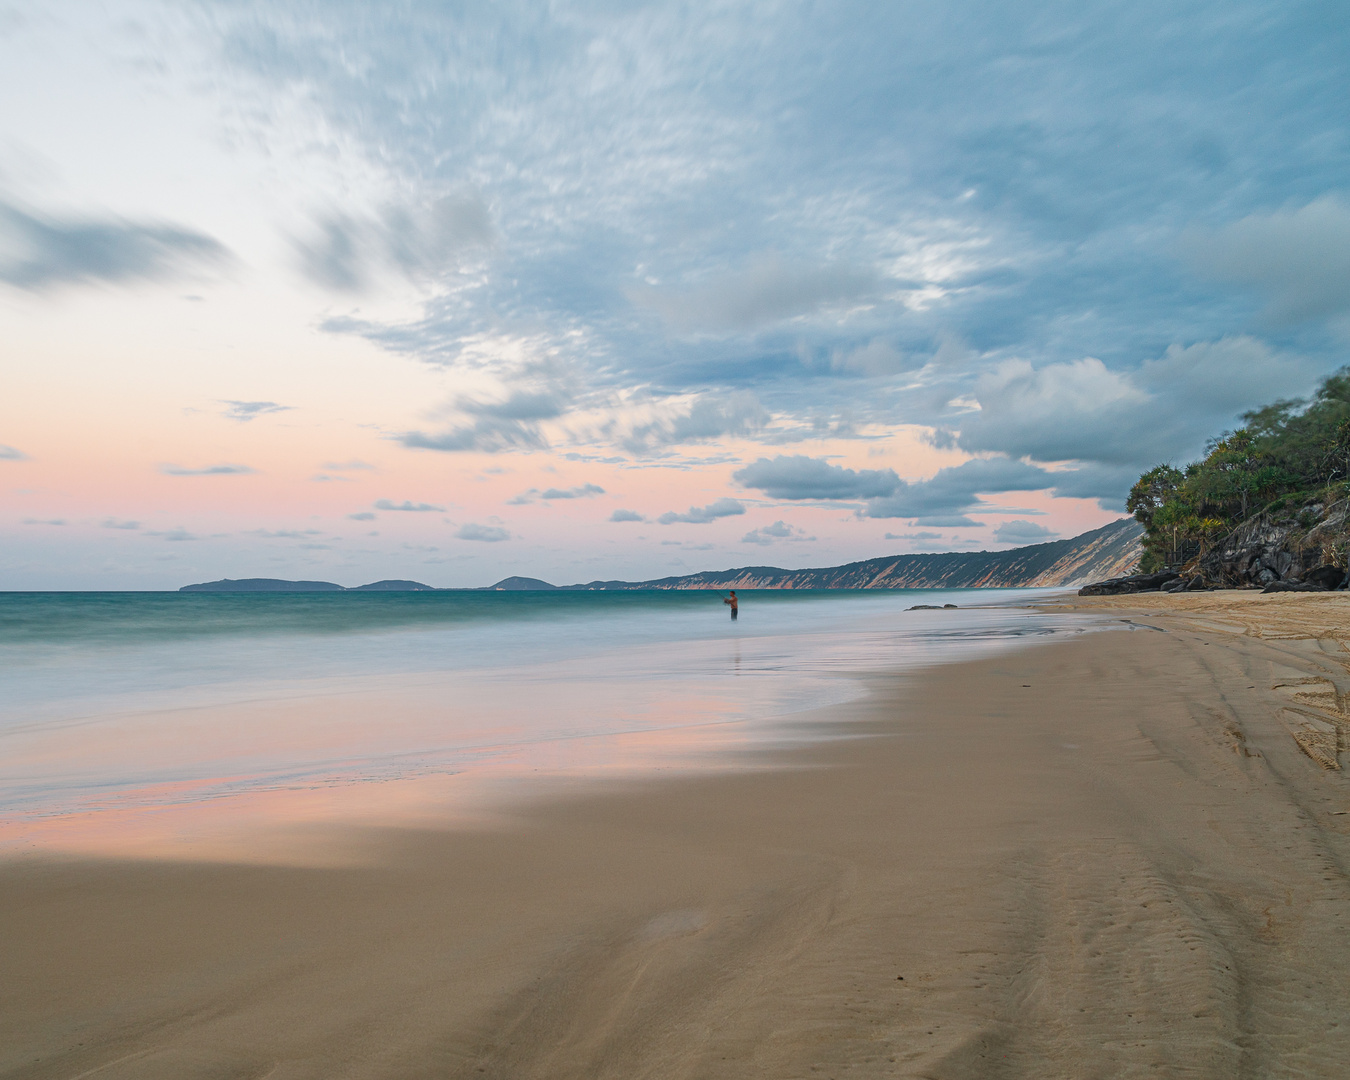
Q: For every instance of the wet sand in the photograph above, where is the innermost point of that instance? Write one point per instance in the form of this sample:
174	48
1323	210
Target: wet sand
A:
1123	854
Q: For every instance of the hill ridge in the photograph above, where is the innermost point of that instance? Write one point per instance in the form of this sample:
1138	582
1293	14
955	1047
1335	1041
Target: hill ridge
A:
1109	551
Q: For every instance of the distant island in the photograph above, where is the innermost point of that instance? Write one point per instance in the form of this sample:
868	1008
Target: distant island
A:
267	584
1108	552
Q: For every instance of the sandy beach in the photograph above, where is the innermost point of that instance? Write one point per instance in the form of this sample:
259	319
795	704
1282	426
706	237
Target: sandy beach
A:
1122	854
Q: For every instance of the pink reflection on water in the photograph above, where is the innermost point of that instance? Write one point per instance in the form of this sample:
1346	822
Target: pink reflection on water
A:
395	757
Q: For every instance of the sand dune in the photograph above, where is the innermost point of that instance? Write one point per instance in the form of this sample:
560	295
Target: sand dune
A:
1109	856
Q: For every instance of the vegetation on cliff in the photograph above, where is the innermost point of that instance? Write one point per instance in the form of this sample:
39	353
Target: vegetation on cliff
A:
1287	456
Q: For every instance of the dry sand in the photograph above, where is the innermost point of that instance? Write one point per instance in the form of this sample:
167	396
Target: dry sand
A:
1111	856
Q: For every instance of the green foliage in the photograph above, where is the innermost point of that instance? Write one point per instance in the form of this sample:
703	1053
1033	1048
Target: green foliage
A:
1287	454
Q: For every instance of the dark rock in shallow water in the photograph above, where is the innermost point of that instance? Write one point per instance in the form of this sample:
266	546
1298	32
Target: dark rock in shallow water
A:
1132	584
930	607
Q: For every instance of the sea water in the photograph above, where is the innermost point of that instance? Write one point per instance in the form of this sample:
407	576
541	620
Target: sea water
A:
121	709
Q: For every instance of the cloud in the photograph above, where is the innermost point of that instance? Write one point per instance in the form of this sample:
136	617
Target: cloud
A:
799	477
40	521
519	405
914	536
942	500
364	515
702	515
918	169
411	507
1299	259
779	530
913	171
113	523
1108	484
626	515
244	411
9	453
286	534
1022	532
509	423
207	470
489	533
585	491
1163	410
488	435
711	416
875	359
177	535
40	252
945	498
767	290
347	253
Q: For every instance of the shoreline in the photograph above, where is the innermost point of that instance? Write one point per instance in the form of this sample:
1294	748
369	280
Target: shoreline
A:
1104	854
255	770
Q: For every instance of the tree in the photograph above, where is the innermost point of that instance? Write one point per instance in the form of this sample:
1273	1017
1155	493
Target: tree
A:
1151	491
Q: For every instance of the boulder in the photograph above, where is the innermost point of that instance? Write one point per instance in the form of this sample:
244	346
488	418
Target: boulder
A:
1329	577
1294	586
1132	584
1181	584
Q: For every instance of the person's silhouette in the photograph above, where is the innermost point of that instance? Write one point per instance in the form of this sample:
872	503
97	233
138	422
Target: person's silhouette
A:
735	605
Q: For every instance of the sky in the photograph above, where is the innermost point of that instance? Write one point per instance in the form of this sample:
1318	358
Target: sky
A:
591	290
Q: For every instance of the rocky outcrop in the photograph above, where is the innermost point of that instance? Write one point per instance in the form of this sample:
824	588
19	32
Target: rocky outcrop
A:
1135	583
1306	545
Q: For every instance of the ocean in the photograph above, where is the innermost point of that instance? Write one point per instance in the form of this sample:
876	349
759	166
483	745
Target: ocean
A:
162	720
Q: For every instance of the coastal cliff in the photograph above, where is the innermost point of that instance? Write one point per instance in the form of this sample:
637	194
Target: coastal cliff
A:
1279	546
1110	551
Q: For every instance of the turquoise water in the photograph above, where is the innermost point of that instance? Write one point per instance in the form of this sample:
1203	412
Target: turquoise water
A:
116	617
157	699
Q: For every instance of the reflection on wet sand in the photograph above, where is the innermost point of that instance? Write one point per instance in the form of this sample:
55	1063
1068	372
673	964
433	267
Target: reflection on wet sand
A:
272	770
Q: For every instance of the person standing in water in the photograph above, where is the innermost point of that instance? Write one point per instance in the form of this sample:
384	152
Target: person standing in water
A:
735	605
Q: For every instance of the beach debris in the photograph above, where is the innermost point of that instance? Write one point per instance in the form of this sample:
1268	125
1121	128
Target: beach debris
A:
930	607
